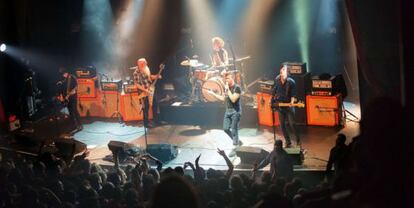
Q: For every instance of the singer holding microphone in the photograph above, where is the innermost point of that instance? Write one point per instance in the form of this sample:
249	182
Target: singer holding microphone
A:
231	98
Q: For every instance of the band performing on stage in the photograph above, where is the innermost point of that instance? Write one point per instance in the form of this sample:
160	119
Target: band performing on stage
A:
210	84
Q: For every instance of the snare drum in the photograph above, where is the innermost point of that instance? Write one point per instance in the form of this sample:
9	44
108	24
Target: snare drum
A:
204	75
214	84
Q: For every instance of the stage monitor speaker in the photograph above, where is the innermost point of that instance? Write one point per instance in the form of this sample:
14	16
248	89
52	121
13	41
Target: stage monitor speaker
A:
303	87
265	111
117	146
68	148
324	110
251	155
296	155
163	152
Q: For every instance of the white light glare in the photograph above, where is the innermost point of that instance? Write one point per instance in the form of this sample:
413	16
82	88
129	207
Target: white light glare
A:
3	47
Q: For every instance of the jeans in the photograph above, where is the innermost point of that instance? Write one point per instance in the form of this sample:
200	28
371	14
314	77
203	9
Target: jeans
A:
231	125
287	114
73	111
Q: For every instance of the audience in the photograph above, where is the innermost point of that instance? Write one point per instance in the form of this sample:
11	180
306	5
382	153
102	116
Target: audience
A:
369	172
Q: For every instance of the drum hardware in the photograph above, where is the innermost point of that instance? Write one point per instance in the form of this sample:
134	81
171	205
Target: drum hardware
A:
196	75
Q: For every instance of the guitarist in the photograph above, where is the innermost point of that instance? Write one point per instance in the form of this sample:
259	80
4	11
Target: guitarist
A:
284	92
143	80
68	95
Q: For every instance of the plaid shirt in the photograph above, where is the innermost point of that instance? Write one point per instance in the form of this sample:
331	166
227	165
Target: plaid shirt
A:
142	79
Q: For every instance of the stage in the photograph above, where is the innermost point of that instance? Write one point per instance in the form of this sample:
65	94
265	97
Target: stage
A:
192	140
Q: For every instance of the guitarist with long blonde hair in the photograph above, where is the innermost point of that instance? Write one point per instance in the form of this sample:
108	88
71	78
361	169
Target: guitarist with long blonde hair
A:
283	100
144	81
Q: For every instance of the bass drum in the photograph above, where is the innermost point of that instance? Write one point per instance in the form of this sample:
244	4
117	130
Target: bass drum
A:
214	84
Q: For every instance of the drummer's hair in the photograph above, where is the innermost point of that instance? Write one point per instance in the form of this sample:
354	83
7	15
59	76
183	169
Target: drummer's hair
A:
218	40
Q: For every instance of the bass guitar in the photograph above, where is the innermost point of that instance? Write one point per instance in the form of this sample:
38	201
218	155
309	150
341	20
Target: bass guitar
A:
151	88
299	104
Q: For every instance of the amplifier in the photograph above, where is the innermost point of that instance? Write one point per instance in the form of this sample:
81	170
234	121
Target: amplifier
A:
295	67
321	93
130	88
266	86
86	72
325	87
111	86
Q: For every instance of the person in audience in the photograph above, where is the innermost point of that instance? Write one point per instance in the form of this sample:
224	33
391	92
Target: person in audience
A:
280	163
338	156
174	191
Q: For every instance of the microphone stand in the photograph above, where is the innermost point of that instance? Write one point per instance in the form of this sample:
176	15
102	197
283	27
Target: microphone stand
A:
232	54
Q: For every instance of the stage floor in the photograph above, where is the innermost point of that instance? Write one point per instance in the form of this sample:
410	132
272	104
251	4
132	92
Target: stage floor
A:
194	140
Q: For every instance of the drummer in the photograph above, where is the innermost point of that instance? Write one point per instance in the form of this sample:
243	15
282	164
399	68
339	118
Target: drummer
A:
219	56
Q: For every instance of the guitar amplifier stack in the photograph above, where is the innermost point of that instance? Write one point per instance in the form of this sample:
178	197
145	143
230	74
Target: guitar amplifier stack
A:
264	110
110	99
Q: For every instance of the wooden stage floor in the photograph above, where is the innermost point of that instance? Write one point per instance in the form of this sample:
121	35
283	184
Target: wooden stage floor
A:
194	140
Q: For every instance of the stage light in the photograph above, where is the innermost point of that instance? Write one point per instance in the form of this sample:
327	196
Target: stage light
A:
3	47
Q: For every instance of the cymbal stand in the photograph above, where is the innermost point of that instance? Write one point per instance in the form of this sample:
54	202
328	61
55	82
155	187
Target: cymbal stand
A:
243	80
193	82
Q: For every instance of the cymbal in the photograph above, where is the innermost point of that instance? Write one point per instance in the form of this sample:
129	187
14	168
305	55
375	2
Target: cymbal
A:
191	62
242	59
222	66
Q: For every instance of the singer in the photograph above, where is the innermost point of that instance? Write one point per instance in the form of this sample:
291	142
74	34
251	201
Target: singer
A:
233	111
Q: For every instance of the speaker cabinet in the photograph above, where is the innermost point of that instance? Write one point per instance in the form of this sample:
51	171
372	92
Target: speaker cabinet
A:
265	111
131	107
251	155
68	148
91	107
296	155
163	152
324	110
110	103
87	88
303	87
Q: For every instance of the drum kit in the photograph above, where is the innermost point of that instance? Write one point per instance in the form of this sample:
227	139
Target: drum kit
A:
205	79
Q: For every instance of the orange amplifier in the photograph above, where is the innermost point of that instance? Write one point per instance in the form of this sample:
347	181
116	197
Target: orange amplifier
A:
131	107
111	103
86	88
265	111
91	106
130	88
324	110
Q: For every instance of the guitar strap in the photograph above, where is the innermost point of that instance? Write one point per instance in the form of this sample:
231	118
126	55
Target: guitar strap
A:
68	85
